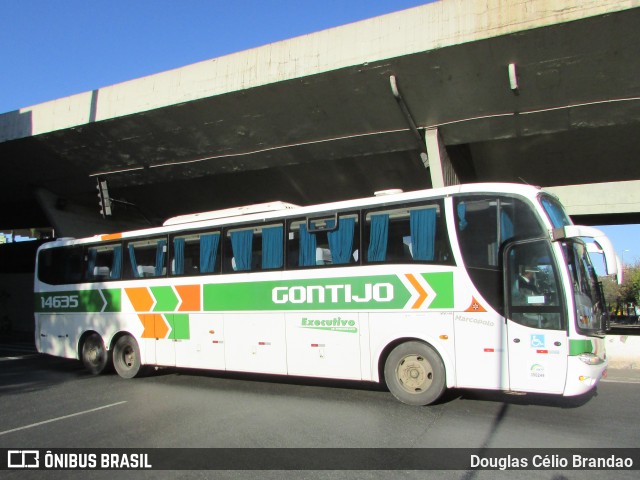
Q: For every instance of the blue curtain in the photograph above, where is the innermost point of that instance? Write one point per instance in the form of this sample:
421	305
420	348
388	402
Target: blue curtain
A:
208	252
272	249
422	224
132	259
91	262
506	226
307	254
178	256
341	240
241	245
462	213
161	247
116	264
378	238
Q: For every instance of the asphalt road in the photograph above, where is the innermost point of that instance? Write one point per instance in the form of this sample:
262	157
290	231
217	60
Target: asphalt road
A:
47	402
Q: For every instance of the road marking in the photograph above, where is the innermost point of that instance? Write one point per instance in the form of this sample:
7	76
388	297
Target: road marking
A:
61	418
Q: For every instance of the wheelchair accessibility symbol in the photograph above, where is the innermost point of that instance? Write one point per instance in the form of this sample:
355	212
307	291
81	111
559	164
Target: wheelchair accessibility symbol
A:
537	341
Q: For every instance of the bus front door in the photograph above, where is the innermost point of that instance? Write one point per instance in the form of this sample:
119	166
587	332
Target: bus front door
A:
537	337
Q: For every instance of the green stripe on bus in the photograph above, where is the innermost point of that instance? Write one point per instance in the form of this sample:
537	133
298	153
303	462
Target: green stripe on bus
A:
92	301
442	284
113	296
179	323
166	299
350	293
576	347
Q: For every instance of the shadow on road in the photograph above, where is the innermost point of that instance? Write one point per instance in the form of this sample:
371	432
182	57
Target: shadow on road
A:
37	372
520	398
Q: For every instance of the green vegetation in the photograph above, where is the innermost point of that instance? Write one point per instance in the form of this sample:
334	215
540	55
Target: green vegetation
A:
622	299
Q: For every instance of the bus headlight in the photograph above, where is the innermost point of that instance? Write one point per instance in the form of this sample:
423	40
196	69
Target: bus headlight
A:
590	359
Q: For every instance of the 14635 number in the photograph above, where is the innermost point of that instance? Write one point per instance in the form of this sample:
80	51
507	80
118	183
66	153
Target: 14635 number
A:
60	302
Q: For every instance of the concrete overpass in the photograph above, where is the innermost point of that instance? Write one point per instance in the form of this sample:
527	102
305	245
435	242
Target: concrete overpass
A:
538	91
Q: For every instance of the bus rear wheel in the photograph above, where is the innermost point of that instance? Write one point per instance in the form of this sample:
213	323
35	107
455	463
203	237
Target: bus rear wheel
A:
94	354
126	357
415	374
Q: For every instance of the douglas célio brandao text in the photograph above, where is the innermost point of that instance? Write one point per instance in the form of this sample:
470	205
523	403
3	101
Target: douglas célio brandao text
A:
551	461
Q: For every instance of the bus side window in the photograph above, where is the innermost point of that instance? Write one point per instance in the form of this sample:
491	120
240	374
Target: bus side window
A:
387	237
146	258
253	249
405	235
317	242
484	225
58	266
103	262
195	254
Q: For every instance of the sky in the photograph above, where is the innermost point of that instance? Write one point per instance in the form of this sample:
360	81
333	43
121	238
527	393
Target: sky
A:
626	241
52	49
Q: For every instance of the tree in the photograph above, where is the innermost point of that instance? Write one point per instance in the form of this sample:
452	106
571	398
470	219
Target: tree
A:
631	284
612	293
619	296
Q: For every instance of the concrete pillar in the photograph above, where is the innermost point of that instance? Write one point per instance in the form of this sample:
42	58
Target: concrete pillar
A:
440	167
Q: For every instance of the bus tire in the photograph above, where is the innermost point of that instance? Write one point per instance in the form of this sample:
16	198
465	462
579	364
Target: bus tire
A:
415	374
126	357
95	356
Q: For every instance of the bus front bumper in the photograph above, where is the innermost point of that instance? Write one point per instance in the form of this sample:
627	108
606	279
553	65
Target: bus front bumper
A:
584	372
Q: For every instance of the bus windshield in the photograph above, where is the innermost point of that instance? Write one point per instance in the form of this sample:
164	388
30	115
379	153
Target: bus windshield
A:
589	301
555	212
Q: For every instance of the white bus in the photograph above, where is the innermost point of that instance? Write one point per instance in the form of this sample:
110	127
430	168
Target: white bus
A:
485	286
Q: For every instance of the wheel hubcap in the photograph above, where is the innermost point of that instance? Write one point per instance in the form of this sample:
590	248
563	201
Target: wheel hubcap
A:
93	355
414	373
129	357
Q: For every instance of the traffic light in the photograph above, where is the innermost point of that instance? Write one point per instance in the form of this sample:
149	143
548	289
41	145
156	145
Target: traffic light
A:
104	198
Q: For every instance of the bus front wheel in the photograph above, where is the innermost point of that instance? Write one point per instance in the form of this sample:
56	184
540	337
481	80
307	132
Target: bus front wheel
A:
94	355
414	373
126	357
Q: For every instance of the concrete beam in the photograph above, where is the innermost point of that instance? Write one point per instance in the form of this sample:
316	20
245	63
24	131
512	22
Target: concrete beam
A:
599	198
428	27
